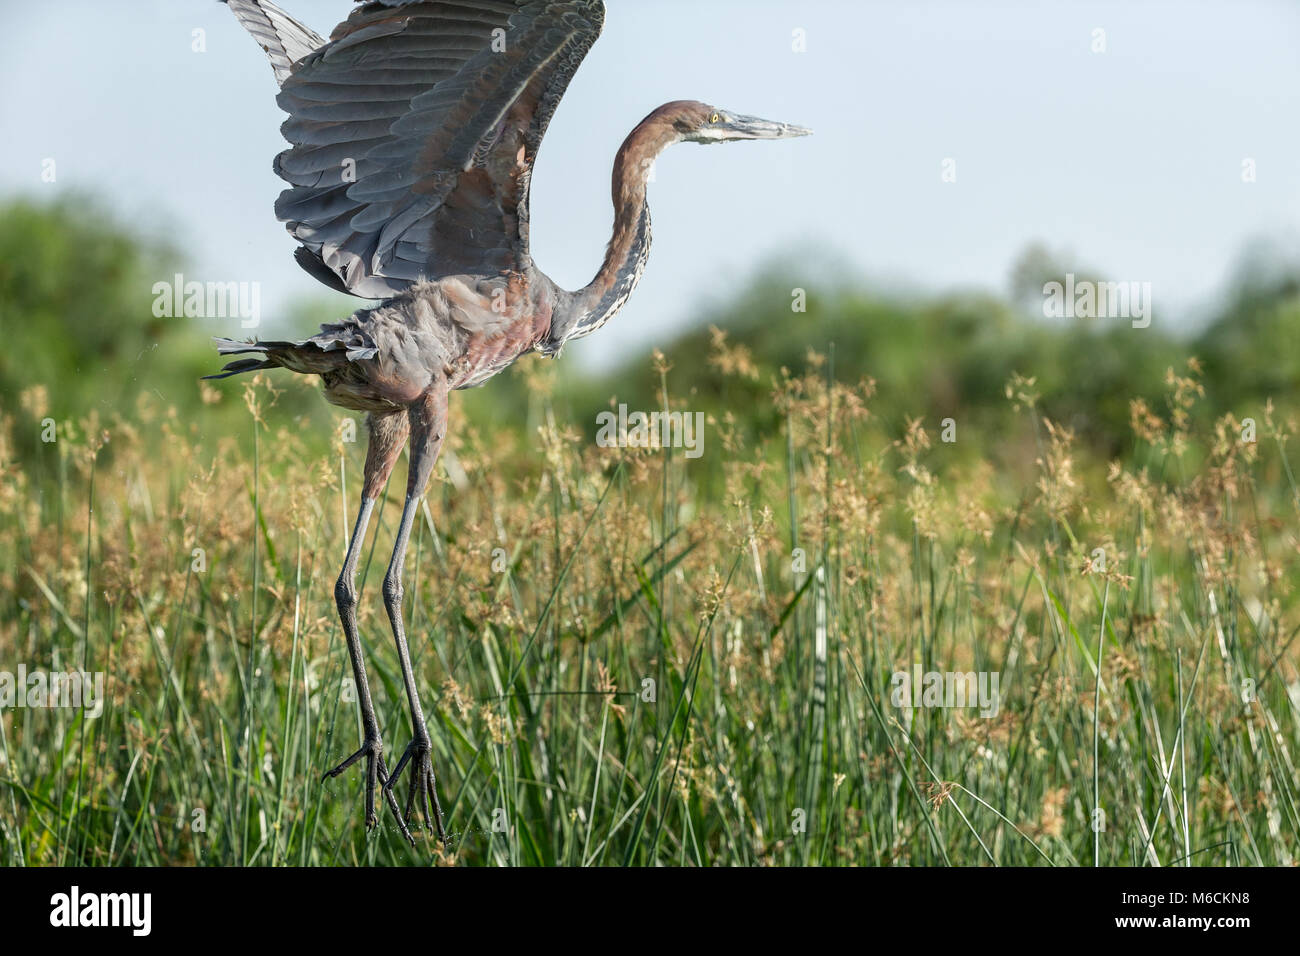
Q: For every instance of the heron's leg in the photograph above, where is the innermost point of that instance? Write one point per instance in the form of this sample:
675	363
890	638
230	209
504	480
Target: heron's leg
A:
386	438
428	419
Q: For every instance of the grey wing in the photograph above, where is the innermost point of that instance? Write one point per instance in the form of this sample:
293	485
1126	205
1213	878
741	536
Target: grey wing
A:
285	40
415	130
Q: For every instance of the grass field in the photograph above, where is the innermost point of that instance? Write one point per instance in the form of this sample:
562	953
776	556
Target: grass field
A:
626	664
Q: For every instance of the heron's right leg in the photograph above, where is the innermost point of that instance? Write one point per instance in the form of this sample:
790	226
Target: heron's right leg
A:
428	425
387	435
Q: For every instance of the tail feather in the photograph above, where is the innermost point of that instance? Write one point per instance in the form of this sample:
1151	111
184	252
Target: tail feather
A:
232	347
309	356
244	365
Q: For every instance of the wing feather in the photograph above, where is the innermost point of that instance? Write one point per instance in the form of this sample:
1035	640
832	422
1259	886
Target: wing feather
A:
285	40
415	130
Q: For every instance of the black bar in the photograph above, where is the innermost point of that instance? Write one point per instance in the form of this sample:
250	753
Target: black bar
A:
328	906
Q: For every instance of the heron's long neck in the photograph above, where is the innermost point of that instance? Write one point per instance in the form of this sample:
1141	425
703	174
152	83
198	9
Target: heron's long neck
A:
629	247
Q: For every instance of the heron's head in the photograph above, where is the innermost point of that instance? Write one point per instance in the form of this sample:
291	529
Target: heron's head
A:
687	121
702	123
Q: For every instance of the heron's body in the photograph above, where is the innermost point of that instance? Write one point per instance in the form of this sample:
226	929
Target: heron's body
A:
453	333
415	129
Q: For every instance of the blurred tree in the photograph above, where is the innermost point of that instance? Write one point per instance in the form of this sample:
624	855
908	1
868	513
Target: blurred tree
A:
77	315
1251	347
75	299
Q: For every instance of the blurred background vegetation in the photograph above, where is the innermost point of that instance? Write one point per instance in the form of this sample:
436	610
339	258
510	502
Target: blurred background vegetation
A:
76	311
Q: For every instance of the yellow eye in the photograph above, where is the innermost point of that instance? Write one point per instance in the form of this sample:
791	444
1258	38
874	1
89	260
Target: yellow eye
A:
714	118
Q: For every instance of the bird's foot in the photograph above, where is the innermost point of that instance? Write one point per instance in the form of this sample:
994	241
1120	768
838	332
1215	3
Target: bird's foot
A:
376	774
420	788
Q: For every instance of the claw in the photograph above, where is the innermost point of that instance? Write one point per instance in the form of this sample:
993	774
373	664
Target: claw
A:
376	773
422	786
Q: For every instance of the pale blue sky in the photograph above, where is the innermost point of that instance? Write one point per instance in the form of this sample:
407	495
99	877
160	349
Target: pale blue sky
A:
1129	161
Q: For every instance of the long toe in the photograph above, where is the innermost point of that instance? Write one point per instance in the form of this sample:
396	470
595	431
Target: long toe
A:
330	774
377	778
421	787
436	807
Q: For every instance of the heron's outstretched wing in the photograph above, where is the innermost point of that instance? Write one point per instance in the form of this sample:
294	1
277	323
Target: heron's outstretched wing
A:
285	40
415	129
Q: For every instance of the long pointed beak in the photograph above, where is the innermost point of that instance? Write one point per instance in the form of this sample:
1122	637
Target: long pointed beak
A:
751	127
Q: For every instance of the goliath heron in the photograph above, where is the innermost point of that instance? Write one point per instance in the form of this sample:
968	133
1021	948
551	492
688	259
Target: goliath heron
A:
415	128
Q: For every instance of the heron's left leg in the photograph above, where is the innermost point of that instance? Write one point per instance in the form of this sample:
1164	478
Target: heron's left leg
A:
387	434
428	419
